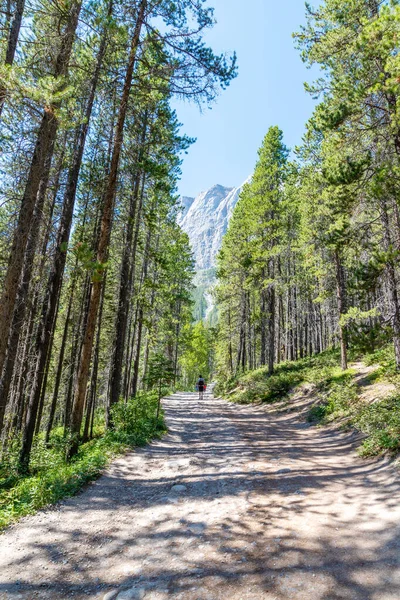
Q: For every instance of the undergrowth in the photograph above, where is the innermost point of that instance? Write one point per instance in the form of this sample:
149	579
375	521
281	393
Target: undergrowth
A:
337	395
51	478
336	400
259	386
384	357
381	423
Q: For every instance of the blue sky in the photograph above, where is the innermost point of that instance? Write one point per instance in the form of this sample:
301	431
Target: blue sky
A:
268	91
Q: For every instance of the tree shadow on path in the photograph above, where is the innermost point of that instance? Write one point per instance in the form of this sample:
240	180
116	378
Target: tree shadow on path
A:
235	502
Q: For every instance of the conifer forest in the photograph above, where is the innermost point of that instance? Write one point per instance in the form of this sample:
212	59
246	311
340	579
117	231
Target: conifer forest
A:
199	378
311	257
96	274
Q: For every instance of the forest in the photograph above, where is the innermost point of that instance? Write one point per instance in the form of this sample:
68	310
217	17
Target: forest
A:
280	480
98	306
95	274
311	257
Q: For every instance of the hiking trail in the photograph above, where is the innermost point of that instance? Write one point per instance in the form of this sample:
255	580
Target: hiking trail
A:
235	502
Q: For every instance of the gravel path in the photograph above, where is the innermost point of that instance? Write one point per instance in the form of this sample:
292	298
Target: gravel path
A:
234	503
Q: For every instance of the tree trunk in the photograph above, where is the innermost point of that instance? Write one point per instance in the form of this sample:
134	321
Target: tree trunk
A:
271	321
49	308
124	291
12	44
342	308
391	282
105	232
38	174
59	367
135	378
263	342
230	351
93	386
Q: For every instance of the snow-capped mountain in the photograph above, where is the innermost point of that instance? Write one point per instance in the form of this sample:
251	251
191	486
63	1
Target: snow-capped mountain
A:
205	220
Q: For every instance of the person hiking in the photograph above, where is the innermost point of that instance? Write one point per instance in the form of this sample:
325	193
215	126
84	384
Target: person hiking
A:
201	386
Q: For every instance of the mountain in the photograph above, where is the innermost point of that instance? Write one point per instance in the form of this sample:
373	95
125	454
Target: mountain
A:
205	219
186	202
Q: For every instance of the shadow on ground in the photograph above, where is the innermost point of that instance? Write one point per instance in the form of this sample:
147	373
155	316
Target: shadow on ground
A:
266	507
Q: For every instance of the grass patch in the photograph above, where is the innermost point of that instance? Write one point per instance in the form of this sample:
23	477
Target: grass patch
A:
51	478
337	400
259	386
381	423
337	393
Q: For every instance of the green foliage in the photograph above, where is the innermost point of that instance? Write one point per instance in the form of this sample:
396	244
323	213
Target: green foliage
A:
197	358
200	302
384	357
381	423
52	479
259	386
338	400
160	371
248	263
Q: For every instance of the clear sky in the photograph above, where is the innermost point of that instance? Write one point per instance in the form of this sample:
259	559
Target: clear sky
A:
268	91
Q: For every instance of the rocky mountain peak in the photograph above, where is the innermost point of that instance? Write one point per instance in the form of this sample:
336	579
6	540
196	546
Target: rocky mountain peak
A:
205	220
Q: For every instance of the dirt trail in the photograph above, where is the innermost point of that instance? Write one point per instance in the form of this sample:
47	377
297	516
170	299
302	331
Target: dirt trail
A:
234	503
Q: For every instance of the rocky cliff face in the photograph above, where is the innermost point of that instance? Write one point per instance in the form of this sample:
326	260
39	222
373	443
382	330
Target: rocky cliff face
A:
205	220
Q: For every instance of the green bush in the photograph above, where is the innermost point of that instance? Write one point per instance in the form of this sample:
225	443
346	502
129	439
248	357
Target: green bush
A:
381	423
339	400
135	422
51	478
259	386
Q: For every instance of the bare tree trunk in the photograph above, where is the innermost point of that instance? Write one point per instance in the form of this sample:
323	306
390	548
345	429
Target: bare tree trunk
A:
263	341
93	387
105	232
76	348
124	290
20	387
135	378
341	303
60	366
230	342
22	299
271	321
38	174
22	296
295	324
391	282
129	351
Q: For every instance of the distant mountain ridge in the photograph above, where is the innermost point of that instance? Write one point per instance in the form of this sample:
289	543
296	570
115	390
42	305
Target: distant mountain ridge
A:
205	219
